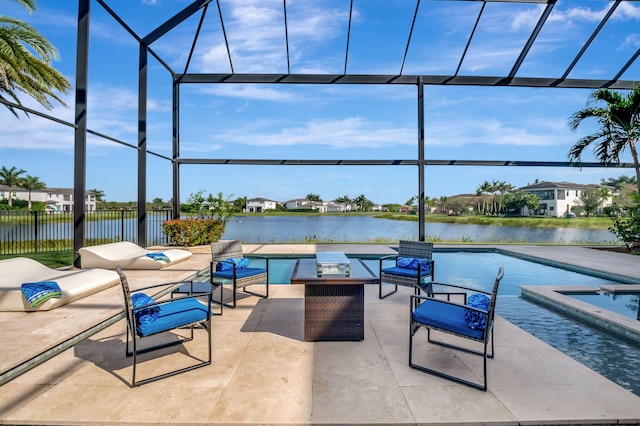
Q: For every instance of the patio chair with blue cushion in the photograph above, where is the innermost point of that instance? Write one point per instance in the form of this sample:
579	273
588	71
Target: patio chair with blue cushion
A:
146	316
230	266
412	266
471	320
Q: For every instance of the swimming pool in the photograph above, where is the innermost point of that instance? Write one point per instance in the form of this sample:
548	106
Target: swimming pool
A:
592	347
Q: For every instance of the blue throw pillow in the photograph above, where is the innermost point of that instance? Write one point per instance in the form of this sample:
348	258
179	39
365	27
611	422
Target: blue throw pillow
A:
227	264
39	292
159	256
475	319
145	315
412	263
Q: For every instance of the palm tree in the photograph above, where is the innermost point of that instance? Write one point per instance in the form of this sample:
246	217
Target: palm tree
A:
361	201
619	121
11	178
344	200
503	188
98	193
481	192
443	199
21	70
31	183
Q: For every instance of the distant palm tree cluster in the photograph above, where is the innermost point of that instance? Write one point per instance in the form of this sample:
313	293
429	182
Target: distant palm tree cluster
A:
491	196
13	178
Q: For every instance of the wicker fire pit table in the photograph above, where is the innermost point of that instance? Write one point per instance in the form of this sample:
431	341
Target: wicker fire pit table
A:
333	297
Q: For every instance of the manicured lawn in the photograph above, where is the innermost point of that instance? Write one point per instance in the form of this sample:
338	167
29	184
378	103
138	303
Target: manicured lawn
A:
50	259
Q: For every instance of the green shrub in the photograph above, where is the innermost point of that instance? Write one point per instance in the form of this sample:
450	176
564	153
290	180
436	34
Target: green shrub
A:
626	228
193	231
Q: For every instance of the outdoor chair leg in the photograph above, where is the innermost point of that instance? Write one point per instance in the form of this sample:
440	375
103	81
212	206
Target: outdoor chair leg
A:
382	296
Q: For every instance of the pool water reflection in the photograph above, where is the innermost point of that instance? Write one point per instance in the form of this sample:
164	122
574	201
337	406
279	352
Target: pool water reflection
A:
627	304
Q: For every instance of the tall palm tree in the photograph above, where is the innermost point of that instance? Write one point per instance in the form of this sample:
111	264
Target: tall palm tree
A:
481	192
31	183
11	178
503	187
619	121
98	193
26	72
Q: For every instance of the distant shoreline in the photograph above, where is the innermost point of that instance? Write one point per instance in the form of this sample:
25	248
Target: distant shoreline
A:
594	222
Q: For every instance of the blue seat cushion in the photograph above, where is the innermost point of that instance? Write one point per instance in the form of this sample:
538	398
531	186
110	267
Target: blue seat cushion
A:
174	314
446	317
405	272
240	273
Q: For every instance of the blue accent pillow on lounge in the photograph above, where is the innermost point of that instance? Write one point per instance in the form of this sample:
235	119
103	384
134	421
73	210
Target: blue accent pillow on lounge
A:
39	292
477	320
159	256
412	263
227	264
145	315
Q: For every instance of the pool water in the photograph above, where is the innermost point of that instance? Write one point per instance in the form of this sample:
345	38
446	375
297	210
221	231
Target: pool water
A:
627	304
614	358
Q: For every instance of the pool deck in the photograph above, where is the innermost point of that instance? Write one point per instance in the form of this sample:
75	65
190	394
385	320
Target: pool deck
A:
263	372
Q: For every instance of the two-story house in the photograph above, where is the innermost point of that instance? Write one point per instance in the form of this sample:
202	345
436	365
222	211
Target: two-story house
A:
557	198
55	199
303	203
259	205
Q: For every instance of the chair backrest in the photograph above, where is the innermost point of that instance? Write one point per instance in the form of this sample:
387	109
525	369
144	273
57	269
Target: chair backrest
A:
226	249
126	292
417	249
492	301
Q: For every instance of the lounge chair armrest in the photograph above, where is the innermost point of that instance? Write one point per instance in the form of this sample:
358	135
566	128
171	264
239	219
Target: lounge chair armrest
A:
389	256
416	298
162	302
475	290
137	290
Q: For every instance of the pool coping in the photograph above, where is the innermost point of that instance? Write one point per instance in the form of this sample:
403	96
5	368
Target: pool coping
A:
556	298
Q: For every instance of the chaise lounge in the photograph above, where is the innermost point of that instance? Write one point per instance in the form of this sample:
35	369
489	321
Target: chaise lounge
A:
74	284
129	256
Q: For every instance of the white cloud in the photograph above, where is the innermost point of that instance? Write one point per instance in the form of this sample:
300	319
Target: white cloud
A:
627	10
111	111
256	34
354	132
496	132
254	92
632	40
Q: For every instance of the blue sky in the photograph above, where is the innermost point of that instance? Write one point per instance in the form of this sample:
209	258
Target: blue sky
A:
323	121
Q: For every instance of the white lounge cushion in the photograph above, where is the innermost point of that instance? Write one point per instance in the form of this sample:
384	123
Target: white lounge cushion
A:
128	255
75	284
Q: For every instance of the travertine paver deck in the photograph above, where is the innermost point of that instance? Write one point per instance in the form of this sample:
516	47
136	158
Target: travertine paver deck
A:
264	372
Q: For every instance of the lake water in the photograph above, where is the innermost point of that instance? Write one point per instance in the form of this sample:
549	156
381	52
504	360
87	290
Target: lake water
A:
343	229
328	228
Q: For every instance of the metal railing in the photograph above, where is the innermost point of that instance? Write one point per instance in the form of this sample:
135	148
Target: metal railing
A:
39	231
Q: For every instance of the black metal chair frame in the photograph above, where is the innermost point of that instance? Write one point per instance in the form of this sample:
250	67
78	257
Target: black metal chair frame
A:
132	324
226	249
487	335
417	249
190	288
